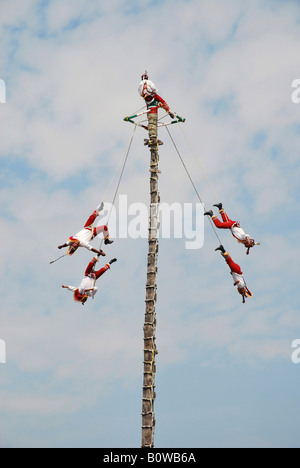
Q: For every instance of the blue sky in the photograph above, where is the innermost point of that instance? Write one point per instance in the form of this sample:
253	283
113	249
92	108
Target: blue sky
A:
73	376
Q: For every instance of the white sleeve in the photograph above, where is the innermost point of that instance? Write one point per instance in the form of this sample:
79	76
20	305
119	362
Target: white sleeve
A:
140	88
71	288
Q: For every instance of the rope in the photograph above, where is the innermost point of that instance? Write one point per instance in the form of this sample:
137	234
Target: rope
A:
126	157
189	176
120	178
113	177
139	110
53	261
198	161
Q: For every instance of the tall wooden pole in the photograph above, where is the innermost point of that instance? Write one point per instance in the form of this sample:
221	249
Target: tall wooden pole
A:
148	416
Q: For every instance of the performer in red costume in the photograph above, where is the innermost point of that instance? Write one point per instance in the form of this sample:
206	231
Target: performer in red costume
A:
234	227
87	286
148	92
236	273
89	232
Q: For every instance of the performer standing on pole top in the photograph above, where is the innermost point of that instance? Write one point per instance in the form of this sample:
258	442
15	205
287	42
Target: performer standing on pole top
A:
148	92
87	286
234	227
82	238
236	273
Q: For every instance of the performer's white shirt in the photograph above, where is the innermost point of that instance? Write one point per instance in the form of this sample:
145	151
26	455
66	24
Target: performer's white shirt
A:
150	88
84	236
236	277
239	233
86	283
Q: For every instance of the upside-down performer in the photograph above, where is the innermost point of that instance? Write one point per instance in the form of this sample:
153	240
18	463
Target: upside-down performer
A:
89	232
148	92
237	274
87	286
234	227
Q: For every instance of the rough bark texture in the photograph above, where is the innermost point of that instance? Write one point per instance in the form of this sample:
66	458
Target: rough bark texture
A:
148	416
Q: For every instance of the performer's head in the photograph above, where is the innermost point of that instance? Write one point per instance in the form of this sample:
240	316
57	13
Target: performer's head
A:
244	292
73	246
144	76
249	242
79	297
